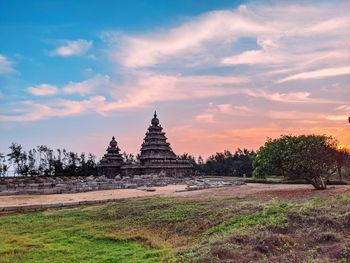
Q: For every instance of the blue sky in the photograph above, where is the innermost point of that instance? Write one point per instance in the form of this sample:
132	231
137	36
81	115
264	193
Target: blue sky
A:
227	73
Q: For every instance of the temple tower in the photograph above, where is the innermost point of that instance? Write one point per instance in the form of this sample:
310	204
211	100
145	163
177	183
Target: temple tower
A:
112	161
157	157
155	147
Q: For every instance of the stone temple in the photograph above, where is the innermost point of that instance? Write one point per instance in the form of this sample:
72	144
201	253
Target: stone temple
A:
156	157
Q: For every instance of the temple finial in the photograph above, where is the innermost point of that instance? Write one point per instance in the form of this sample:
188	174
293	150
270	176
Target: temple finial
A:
155	120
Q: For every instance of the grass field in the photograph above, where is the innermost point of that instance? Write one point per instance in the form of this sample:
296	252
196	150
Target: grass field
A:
183	230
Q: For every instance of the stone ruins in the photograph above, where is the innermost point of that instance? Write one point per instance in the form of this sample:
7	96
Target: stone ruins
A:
157	165
156	157
76	184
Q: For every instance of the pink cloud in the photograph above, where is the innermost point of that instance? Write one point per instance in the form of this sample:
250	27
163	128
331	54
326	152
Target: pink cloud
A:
43	90
318	74
101	82
32	111
151	88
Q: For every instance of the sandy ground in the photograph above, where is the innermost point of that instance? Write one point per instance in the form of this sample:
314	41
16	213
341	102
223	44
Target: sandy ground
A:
255	190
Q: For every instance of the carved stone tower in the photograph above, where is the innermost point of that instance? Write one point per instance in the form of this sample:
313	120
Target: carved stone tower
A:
155	147
112	161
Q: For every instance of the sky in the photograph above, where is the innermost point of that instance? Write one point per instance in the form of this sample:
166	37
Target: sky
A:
221	74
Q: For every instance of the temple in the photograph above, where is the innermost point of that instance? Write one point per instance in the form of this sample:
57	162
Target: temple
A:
156	157
112	161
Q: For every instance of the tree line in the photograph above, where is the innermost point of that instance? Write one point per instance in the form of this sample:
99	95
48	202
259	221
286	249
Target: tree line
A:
313	158
44	161
238	163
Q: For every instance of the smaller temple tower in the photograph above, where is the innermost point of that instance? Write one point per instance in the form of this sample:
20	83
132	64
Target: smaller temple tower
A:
112	161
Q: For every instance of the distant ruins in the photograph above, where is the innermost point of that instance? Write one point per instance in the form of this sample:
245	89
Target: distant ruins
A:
157	165
156	157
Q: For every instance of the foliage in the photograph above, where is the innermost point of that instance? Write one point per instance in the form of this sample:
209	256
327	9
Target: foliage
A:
226	163
342	157
308	157
42	161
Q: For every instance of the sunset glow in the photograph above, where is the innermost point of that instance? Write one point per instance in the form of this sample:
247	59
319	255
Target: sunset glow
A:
221	74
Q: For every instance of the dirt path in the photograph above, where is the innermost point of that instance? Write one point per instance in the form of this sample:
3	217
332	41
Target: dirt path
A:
255	190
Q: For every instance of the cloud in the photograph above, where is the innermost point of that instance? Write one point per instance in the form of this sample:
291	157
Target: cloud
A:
88	86
211	37
6	66
144	89
43	90
211	113
205	117
72	48
287	97
343	118
254	57
33	111
98	83
226	55
147	88
344	108
188	38
318	74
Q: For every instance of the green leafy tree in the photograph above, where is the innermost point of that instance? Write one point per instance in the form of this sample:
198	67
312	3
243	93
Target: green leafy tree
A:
308	157
226	163
343	160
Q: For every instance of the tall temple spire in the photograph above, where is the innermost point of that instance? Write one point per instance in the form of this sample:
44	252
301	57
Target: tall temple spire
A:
155	146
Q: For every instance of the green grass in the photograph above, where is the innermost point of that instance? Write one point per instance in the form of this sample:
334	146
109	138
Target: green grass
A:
273	214
68	236
156	230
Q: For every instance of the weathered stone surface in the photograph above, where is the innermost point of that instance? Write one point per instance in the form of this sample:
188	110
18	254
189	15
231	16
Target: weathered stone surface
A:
156	157
57	185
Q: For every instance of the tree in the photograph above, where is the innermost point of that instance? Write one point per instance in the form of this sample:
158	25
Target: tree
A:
342	160
73	161
19	158
226	163
58	164
308	157
3	165
32	171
